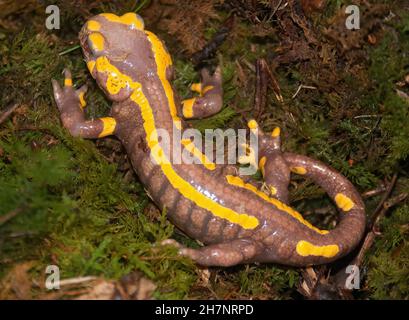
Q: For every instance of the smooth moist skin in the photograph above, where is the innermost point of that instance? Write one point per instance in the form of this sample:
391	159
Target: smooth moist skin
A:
209	202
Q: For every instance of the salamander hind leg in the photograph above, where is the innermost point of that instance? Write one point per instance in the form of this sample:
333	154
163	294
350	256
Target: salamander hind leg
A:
274	168
222	254
210	99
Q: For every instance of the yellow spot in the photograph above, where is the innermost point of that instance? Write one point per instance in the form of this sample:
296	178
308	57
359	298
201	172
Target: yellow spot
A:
206	89
252	124
305	248
188	107
276	132
93	25
261	164
130	19
190	146
83	103
91	65
164	61
109	126
68	82
343	202
115	79
236	181
273	190
97	41
299	170
196	87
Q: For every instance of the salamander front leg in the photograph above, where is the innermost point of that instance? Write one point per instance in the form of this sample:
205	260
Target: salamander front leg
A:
71	103
223	254
210	100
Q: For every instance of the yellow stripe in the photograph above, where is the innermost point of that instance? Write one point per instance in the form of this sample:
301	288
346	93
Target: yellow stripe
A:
163	61
236	181
93	25
206	89
299	170
91	65
305	248
197	87
261	164
185	188
276	132
109	126
68	82
188	107
83	103
130	18
190	146
343	202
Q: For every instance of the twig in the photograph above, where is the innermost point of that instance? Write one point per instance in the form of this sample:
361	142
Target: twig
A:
378	211
260	97
78	280
274	84
302	87
8	112
370	237
10	215
374	192
364	116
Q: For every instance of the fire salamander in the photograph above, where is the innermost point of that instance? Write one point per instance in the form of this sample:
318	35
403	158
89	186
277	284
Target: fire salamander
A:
237	222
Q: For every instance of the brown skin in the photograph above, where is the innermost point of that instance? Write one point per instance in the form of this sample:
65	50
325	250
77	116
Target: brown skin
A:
277	234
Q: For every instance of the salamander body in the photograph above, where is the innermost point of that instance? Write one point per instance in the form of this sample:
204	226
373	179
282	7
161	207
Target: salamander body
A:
211	203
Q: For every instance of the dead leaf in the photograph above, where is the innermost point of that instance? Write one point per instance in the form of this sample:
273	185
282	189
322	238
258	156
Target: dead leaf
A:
17	283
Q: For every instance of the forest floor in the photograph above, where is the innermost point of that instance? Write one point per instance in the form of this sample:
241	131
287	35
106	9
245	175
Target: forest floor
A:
339	95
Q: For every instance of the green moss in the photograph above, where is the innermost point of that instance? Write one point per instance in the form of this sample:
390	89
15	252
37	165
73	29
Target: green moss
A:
388	262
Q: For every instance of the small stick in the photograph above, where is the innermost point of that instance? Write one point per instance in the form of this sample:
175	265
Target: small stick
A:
10	215
78	280
260	97
274	84
8	112
302	87
380	211
375	192
370	237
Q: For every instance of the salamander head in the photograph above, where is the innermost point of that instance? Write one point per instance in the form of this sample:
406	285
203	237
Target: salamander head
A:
118	53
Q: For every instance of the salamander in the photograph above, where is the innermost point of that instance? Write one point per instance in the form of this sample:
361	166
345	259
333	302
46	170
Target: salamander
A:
236	221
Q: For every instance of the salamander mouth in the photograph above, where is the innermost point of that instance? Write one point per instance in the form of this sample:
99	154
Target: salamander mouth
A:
83	37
